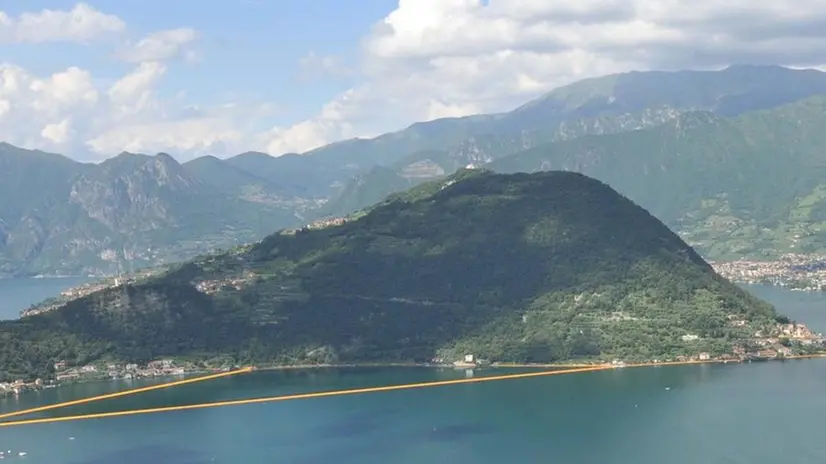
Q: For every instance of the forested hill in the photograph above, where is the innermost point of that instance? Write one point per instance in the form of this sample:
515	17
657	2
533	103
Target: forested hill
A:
525	267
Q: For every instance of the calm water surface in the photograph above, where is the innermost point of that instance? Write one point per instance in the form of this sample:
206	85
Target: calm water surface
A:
753	413
18	294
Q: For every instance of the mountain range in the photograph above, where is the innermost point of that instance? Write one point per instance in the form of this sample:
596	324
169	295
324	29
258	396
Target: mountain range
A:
63	217
750	186
729	159
737	173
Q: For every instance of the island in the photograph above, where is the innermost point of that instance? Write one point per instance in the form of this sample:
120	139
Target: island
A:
535	269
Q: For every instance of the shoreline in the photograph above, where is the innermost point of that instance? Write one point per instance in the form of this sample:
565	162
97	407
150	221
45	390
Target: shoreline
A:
44	276
424	365
572	367
562	365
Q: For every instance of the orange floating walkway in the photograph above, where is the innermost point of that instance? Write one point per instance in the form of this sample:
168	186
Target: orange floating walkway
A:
300	396
265	399
133	391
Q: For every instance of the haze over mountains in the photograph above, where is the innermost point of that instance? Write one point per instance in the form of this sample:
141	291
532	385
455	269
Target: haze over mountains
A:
60	216
730	160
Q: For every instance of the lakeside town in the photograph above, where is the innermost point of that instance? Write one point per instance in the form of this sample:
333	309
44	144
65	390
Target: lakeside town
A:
88	288
208	286
65	373
792	271
781	341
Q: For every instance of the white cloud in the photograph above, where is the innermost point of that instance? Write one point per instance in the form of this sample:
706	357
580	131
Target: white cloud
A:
300	137
189	135
57	133
426	59
37	111
437	109
70	113
435	58
161	46
62	91
138	86
80	24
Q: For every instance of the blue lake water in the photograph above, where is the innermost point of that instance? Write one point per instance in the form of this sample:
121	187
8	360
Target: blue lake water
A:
18	294
759	413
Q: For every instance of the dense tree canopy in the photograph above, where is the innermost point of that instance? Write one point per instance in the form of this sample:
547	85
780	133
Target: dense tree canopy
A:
526	267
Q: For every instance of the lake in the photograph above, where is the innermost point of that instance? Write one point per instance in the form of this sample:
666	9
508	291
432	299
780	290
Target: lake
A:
750	413
18	294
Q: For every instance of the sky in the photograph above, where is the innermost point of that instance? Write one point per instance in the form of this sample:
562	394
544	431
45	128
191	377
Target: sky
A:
92	79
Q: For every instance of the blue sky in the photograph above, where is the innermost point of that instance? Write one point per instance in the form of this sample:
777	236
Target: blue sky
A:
91	79
249	47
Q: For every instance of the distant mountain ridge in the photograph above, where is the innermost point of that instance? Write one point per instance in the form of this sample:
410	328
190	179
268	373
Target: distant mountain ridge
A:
746	186
128	211
61	216
597	106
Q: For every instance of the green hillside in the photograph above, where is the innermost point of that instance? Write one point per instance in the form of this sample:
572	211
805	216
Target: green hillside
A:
746	186
538	267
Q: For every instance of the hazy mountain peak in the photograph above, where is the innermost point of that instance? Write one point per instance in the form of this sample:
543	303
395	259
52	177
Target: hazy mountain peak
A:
166	157
731	91
209	158
252	155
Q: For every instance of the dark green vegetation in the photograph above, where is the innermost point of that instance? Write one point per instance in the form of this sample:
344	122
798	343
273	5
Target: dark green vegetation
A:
59	216
527	267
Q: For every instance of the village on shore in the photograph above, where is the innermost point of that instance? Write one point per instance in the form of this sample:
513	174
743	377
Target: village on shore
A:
782	341
106	371
792	271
